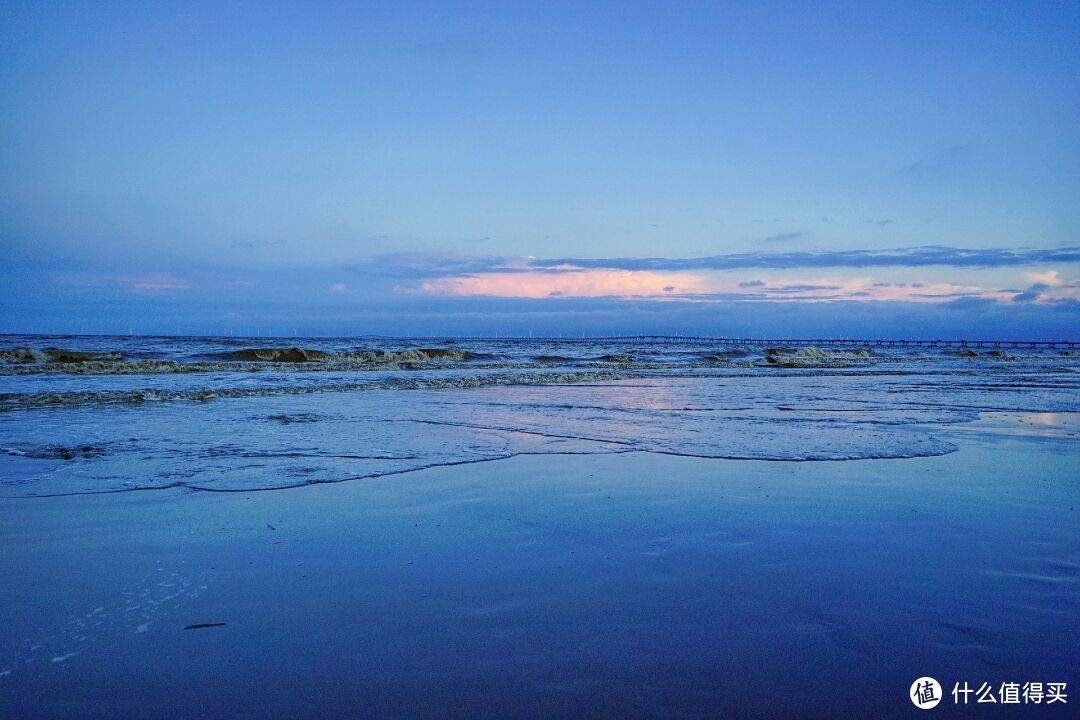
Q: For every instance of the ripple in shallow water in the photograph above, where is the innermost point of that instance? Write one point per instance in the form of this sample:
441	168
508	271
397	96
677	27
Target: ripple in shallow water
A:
256	443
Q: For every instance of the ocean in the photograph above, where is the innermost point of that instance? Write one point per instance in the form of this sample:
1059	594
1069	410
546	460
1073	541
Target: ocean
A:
526	528
105	414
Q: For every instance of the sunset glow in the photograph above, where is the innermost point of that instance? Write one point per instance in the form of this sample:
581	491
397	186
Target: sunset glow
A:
644	284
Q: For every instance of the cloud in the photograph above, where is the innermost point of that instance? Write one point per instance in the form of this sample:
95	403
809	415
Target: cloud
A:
449	294
252	244
34	301
156	284
804	287
140	284
939	166
1049	288
1050	278
1028	295
784	237
901	257
337	287
651	285
573	282
417	265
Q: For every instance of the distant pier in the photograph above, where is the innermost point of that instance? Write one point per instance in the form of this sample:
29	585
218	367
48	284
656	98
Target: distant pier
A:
857	342
800	342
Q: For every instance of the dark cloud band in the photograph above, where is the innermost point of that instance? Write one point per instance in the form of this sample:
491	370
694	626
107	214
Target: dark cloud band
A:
902	257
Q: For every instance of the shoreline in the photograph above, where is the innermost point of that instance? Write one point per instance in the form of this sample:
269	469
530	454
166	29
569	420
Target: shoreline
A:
631	585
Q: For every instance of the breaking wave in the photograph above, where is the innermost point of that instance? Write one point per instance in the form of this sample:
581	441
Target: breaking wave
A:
81	398
364	357
812	357
173	356
27	361
27	355
116	414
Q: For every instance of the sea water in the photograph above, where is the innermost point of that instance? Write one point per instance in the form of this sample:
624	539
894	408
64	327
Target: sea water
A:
207	527
112	414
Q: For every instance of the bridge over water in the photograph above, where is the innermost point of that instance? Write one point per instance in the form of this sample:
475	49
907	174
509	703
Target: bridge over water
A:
807	342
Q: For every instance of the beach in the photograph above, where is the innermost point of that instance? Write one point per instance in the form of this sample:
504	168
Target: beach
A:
539	361
628	585
517	530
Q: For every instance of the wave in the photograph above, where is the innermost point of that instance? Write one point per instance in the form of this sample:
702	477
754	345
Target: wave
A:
725	354
25	355
616	358
28	361
375	357
812	357
60	452
21	401
255	461
291	355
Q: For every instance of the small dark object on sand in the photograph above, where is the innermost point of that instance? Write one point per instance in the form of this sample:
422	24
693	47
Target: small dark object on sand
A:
200	626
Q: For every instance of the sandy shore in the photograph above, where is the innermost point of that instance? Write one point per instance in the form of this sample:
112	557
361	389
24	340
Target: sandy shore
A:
631	585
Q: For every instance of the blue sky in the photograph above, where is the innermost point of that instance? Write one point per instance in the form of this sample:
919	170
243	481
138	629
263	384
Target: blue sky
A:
851	168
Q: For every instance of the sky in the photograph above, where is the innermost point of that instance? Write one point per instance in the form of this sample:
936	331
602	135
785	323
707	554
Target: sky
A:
411	168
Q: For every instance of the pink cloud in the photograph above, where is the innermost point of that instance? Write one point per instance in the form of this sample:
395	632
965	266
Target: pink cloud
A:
1051	278
148	284
576	282
1052	287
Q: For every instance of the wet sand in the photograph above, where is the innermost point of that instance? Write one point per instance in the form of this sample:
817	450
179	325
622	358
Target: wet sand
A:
629	585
